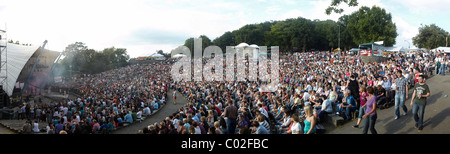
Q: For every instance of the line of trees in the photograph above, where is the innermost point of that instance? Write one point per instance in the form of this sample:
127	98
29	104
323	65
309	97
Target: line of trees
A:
78	58
300	34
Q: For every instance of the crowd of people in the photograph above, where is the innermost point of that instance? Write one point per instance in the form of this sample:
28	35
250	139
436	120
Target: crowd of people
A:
312	86
107	100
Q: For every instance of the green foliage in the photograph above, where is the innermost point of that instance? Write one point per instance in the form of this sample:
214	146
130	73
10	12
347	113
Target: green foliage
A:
227	39
189	43
167	55
335	3
78	58
300	34
430	37
371	25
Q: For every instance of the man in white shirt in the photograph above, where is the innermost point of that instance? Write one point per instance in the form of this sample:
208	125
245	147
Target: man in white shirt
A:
306	96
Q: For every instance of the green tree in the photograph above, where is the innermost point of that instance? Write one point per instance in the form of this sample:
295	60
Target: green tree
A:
372	24
325	35
294	34
430	37
72	60
78	58
227	39
167	55
345	37
189	43
335	3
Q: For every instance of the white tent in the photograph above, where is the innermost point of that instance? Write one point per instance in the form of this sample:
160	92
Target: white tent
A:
242	45
178	56
395	49
445	49
158	56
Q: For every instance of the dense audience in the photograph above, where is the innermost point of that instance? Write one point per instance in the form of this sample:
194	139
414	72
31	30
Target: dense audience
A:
313	85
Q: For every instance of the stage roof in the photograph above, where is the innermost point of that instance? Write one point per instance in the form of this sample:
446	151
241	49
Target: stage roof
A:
18	56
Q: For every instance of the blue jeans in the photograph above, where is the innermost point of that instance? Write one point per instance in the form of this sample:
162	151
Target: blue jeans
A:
442	69
418	111
370	123
400	100
348	111
231	125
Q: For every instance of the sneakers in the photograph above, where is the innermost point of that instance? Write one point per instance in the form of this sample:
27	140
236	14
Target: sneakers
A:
396	117
355	126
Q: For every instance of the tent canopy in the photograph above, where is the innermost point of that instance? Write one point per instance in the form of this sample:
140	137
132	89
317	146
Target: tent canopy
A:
178	55
157	55
242	45
254	46
395	49
445	49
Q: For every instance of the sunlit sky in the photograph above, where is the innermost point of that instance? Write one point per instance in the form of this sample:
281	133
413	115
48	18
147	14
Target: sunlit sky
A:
142	27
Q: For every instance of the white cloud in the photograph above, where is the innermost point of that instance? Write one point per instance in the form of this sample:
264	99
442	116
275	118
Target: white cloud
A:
429	7
319	7
105	23
406	32
291	14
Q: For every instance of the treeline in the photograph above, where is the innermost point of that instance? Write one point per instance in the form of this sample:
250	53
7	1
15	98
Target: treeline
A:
300	34
78	58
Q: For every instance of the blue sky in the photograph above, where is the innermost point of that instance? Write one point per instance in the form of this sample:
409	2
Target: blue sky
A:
146	26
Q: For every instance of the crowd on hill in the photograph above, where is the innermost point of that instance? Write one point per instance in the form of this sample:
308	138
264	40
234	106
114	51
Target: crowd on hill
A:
313	85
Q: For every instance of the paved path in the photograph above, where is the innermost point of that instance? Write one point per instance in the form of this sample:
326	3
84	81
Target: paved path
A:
159	116
4	130
436	119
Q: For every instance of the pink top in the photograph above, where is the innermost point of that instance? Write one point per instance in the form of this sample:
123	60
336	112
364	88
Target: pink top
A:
363	98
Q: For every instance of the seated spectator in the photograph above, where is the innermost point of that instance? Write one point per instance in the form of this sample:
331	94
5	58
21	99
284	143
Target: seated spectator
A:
259	129
128	118
146	111
36	127
27	127
262	121
296	127
348	104
310	121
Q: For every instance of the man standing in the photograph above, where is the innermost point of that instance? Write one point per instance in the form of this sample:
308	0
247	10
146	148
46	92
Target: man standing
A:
442	68
353	86
175	96
419	101
231	113
401	94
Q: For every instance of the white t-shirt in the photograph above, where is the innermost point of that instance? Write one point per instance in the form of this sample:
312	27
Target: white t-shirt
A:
35	127
296	128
